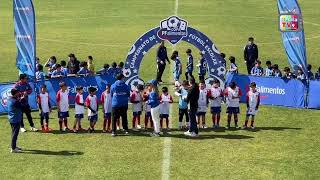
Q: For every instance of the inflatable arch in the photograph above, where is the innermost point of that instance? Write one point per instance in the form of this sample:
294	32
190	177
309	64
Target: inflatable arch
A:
174	32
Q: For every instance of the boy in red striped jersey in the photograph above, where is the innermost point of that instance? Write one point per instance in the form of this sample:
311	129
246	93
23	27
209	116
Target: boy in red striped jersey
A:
92	103
79	109
45	108
63	106
136	100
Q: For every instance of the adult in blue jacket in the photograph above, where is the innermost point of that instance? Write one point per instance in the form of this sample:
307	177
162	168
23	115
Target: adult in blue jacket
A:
15	109
120	93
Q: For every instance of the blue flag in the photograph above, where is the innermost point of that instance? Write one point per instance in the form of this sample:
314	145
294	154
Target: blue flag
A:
25	35
291	26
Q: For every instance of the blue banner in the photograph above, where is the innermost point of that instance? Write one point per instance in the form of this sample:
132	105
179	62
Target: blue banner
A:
25	36
314	95
291	25
274	91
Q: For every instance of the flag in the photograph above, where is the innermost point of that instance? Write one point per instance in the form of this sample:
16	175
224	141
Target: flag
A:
291	26
25	36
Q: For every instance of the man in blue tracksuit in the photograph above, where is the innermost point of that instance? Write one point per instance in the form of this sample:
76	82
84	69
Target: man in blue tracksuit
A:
120	93
162	57
15	109
202	67
250	54
189	67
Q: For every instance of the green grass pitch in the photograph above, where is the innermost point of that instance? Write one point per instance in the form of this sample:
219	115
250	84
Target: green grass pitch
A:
285	144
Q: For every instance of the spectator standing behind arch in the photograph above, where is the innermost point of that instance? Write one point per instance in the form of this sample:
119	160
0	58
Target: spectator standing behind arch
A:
162	57
251	54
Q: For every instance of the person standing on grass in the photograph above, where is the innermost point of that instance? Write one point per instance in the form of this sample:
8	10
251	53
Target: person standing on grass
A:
233	94
154	102
120	93
253	102
192	100
15	109
106	102
45	108
189	68
78	109
251	54
162	57
92	104
63	106
25	89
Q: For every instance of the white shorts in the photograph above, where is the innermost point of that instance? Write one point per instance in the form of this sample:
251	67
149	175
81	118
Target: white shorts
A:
252	111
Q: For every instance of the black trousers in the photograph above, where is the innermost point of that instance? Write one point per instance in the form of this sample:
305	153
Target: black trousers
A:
118	112
193	120
201	78
183	112
27	112
161	68
249	67
15	129
188	74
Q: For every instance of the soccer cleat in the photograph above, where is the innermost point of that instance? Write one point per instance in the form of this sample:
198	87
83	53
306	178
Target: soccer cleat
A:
227	127
138	127
16	150
33	129
193	134
118	128
237	127
252	127
66	129
244	127
113	134
204	126
180	127
154	134
126	132
104	131
187	133
19	148
75	130
23	129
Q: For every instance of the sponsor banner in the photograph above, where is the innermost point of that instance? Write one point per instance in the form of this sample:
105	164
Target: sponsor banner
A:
98	82
25	36
314	95
274	91
291	26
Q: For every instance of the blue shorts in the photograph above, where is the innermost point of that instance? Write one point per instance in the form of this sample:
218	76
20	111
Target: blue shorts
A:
93	118
201	113
44	115
107	115
164	115
63	114
79	116
215	110
233	110
136	113
148	114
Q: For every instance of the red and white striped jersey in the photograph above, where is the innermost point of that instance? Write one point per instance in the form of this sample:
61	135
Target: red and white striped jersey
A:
63	100
43	101
79	109
106	101
92	101
233	96
165	100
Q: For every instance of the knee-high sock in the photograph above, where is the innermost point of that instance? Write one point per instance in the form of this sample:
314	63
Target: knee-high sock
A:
167	122
161	122
218	119
65	123
138	119
60	124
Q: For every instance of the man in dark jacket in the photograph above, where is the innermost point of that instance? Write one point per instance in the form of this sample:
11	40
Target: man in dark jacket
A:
192	99
25	89
120	93
15	108
162	57
251	54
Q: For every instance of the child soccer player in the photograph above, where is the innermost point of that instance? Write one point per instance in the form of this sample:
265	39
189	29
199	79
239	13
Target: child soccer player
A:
107	109
84	71
58	73
45	108
233	94
147	110
268	72
233	67
287	73
183	105
79	109
136	100
202	67
165	100
202	105
40	75
189	64
153	101
276	71
253	102
93	104
216	95
300	75
177	67
63	106
257	70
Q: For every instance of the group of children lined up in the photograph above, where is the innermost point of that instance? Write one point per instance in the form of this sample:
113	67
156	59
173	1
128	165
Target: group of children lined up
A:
139	98
74	68
272	70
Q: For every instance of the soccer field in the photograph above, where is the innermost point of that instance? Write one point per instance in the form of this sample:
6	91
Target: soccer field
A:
285	144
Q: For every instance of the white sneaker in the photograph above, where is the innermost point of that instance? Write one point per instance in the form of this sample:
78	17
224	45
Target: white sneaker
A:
16	150
252	127
118	128
193	134
187	133
33	129
204	126
138	127
23	130
154	134
179	127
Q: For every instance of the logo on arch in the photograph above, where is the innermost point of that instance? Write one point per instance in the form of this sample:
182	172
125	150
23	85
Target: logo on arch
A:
173	29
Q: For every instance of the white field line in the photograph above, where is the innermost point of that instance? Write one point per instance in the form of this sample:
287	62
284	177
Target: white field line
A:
167	140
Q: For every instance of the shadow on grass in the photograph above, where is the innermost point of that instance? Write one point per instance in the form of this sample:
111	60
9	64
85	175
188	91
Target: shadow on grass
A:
257	129
52	153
